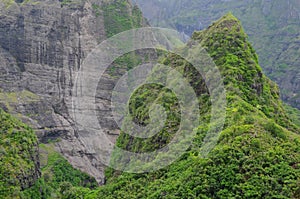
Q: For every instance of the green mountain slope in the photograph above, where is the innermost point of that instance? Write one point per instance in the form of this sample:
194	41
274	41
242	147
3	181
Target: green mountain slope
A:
258	152
273	28
19	162
22	176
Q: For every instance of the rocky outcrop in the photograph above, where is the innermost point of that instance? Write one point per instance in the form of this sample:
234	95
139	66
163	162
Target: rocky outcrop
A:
42	45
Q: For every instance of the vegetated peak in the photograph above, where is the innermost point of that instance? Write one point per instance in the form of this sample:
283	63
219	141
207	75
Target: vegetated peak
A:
228	45
228	21
257	154
226	24
226	37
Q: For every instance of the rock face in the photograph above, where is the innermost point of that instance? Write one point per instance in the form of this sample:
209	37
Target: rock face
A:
42	45
273	28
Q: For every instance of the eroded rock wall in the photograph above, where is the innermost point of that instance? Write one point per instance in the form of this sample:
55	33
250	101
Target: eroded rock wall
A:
42	45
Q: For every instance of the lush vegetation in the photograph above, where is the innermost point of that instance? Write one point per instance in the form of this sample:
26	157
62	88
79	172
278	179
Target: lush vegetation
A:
18	156
293	113
59	179
257	154
119	16
20	159
273	28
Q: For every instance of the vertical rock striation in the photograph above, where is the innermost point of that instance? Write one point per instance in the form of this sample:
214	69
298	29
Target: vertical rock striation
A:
42	45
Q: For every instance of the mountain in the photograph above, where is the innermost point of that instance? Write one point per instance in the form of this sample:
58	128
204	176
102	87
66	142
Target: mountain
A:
257	153
42	46
273	28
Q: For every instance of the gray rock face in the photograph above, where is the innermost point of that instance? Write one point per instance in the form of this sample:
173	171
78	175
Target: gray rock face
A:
42	45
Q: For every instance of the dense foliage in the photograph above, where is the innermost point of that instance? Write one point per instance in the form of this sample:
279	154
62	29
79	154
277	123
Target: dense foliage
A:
18	156
19	163
293	113
59	179
258	152
119	15
257	155
273	28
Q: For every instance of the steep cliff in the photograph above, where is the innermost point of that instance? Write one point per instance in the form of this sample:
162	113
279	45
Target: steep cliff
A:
273	28
42	45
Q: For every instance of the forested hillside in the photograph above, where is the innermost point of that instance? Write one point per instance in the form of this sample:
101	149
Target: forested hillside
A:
258	152
257	155
273	28
19	158
42	47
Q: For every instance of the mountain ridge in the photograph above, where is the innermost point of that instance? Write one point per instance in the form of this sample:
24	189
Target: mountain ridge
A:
257	154
273	28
